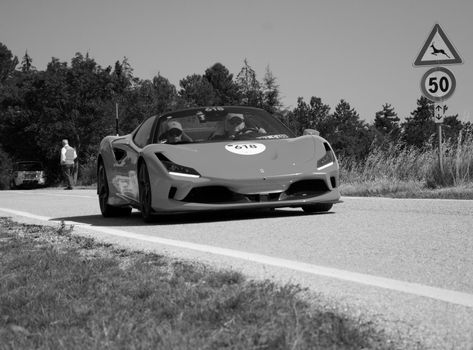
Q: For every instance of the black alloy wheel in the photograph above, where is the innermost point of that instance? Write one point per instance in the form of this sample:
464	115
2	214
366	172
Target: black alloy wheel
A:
106	209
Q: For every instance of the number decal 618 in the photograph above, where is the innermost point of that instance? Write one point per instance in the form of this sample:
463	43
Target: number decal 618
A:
438	84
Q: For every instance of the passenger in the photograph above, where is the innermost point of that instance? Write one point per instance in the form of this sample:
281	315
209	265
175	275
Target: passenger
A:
174	133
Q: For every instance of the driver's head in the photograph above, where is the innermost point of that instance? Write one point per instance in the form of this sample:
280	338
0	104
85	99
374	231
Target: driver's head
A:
234	122
174	133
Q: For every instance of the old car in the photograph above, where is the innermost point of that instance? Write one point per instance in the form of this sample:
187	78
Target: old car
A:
27	174
215	158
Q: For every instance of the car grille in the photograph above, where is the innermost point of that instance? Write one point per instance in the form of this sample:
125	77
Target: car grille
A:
223	195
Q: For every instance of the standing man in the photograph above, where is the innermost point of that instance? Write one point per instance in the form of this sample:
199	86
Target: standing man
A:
68	156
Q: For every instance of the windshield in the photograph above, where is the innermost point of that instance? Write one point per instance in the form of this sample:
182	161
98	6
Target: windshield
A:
29	166
216	124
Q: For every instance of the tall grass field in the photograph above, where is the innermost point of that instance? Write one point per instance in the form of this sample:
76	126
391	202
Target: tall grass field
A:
400	169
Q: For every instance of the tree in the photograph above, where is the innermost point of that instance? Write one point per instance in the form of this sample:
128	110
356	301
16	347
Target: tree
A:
196	91
8	63
226	91
271	98
386	124
386	121
314	115
27	63
419	128
348	135
166	94
249	87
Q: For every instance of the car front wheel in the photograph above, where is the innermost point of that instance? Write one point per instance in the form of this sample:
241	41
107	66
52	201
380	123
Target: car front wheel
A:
145	193
106	209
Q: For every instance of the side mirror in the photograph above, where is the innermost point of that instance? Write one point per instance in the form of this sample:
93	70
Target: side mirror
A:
310	132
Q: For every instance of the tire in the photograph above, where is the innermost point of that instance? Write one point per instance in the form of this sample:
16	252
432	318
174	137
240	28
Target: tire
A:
317	208
145	193
106	209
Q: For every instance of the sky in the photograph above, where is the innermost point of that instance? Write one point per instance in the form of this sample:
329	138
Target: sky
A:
362	51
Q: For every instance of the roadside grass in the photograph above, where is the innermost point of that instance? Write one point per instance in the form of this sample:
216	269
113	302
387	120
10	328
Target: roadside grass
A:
60	290
395	170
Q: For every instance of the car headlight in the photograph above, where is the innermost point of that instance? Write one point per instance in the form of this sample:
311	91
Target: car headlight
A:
177	169
327	160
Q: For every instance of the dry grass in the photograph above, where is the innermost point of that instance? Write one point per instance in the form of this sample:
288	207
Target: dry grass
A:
397	170
61	291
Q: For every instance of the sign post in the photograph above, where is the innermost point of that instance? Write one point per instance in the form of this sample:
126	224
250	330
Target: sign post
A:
438	83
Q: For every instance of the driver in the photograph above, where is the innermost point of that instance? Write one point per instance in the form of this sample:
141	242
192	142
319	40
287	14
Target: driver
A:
234	123
233	126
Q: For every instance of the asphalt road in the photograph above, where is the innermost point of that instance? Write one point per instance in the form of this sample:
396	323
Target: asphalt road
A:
406	265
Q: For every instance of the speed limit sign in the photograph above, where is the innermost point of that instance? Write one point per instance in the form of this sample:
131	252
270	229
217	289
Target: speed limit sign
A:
438	84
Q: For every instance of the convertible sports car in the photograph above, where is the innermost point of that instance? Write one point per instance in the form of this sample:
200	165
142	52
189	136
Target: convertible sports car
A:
215	158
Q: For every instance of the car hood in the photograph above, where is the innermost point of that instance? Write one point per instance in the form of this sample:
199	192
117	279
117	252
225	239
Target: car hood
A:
246	159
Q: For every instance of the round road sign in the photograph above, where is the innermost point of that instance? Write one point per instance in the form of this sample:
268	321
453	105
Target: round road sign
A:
438	84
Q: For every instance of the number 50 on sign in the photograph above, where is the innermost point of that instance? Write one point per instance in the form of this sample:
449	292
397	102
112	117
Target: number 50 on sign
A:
438	84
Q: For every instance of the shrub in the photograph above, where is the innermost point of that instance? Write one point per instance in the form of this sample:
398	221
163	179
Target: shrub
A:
5	167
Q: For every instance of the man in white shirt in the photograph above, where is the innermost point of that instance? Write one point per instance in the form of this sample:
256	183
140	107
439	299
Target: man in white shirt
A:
68	157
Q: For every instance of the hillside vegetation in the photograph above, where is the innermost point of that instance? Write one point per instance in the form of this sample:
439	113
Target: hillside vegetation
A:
82	101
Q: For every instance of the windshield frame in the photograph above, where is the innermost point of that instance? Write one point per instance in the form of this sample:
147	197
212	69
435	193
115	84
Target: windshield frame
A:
200	124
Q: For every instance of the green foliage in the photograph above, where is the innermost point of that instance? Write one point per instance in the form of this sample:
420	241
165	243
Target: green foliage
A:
226	90
419	128
249	87
27	63
8	62
271	94
80	102
348	135
5	168
386	124
196	90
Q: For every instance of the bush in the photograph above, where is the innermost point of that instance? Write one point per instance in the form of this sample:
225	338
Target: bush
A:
88	171
5	167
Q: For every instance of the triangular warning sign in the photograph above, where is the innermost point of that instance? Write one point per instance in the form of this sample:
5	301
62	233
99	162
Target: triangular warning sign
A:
437	50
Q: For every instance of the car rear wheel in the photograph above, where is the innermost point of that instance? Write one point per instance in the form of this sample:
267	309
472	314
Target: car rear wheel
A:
103	191
145	193
317	208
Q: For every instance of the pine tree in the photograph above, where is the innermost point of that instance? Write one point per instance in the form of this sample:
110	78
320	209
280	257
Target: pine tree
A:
386	121
349	136
27	63
226	91
196	91
419	128
271	98
386	124
249	87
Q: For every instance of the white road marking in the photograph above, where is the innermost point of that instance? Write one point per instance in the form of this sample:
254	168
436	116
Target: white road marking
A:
450	296
52	194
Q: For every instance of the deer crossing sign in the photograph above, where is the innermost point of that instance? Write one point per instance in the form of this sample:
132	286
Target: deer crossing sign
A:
437	50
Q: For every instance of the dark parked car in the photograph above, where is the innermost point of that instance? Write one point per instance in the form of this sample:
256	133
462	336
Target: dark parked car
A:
27	174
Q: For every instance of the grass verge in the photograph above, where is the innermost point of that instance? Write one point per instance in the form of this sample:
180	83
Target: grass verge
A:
59	290
404	189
